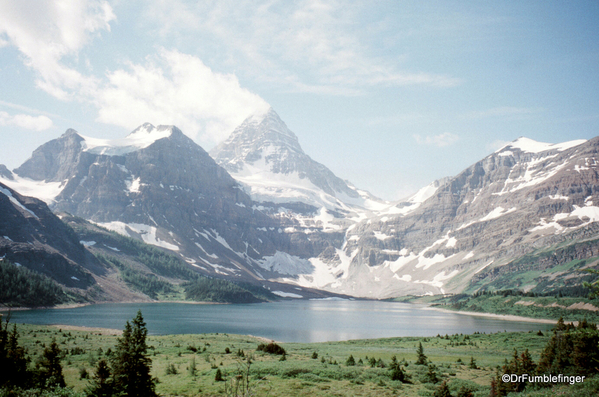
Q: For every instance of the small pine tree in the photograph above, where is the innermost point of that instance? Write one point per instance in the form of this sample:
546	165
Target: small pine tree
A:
218	377
431	374
101	385
314	355
372	362
473	363
49	367
193	368
350	361
464	392
422	359
397	373
13	360
442	390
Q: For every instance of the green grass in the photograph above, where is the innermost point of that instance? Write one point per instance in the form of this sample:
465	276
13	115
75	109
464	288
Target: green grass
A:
300	374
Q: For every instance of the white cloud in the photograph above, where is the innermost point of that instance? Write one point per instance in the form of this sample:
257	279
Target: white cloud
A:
176	88
170	88
304	46
46	32
441	140
35	123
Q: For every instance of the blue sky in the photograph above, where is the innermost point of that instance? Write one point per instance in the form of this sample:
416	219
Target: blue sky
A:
389	94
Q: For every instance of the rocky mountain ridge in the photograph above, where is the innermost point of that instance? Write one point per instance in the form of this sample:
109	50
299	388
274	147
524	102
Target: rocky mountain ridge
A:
267	159
265	212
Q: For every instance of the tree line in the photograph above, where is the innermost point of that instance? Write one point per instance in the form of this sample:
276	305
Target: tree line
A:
20	286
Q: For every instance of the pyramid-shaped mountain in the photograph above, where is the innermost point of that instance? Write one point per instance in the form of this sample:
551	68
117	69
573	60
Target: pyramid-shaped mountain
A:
266	157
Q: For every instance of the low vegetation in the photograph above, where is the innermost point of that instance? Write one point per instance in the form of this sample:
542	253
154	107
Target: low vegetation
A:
236	365
523	304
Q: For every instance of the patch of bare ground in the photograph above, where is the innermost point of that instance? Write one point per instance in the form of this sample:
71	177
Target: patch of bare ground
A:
95	330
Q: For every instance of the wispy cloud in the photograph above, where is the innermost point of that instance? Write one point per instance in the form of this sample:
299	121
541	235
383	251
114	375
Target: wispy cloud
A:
46	32
304	46
170	88
25	121
441	140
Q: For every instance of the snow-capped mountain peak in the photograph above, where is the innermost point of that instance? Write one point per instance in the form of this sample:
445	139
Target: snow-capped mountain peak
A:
249	142
528	145
265	156
140	138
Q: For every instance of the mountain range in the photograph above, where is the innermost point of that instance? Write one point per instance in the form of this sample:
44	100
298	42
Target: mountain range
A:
257	209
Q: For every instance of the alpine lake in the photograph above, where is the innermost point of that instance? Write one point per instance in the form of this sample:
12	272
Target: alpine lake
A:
303	321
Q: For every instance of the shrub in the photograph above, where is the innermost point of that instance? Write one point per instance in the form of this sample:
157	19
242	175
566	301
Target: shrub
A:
271	348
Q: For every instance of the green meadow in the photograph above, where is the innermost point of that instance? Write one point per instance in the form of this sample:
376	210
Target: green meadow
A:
187	365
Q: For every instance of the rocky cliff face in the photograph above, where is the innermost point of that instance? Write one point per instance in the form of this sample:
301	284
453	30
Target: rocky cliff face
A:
32	236
278	216
499	209
159	186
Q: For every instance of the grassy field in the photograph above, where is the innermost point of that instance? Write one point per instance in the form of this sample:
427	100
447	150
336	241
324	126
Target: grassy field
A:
186	365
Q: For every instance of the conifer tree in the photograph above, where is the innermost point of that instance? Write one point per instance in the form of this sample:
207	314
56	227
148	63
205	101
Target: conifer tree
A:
49	367
473	363
350	361
13	360
431	374
442	390
397	373
101	385
422	359
131	363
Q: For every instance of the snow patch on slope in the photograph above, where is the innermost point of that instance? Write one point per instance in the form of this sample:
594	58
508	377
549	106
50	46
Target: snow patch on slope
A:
531	146
283	263
141	138
45	191
146	232
16	202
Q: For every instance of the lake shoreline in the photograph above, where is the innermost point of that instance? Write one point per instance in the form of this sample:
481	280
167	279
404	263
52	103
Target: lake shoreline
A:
76	305
507	317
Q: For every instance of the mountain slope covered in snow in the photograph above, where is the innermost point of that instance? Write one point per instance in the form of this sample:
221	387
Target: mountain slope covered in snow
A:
266	157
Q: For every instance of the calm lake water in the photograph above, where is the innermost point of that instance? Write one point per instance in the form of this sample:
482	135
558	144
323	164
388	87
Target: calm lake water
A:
288	321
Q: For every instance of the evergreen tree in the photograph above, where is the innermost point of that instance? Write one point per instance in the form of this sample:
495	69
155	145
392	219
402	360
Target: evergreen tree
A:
12	357
397	373
571	350
49	367
442	391
465	392
527	366
131	363
101	385
17	370
350	361
422	359
431	374
473	363
218	377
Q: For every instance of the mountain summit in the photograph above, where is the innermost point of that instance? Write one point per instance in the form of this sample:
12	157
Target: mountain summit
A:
265	156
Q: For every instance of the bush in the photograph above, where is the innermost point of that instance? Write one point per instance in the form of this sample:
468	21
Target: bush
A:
271	348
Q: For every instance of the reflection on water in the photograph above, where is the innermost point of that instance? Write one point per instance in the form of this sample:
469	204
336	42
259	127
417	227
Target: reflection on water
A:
289	321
